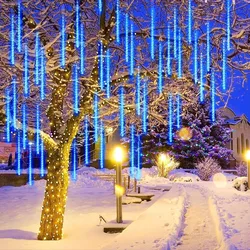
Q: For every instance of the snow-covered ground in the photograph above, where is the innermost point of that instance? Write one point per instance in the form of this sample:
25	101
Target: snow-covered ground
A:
195	215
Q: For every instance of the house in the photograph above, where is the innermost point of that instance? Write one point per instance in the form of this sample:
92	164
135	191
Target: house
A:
240	134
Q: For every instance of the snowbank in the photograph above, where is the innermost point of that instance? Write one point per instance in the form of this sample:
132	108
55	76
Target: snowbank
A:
179	175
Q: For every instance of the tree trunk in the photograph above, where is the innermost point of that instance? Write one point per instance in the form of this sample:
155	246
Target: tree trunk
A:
51	225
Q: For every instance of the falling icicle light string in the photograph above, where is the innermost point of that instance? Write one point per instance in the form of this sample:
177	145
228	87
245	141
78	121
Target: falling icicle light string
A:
118	21
82	50
201	79
212	97
76	90
8	116
77	23
138	172
208	47
37	48
26	71
132	50
18	152
178	111
74	161
102	146
122	115
63	36
42	170
100	6
108	73
43	74
37	129
195	56
152	45
170	119
169	52
24	124
138	94
160	69
132	151
14	85
189	21
96	117
175	33
179	55
30	164
126	37
86	141
101	80
12	38
19	26
224	65
228	24
145	107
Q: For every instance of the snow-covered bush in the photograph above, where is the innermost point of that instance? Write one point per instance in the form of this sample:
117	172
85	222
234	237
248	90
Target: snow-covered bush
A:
241	169
240	183
207	168
165	164
179	175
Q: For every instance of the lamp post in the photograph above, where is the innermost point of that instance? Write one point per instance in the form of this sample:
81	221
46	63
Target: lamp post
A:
248	167
162	160
118	155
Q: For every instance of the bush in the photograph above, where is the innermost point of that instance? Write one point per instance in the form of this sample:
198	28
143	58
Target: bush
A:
207	168
165	164
241	169
240	184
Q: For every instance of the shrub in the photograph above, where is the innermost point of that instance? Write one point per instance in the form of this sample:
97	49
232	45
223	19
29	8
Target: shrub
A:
165	164
207	168
241	169
240	184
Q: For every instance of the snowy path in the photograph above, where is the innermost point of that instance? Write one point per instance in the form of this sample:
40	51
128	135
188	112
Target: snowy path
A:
199	230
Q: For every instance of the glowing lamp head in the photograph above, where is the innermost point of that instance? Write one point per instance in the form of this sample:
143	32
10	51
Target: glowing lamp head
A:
119	190
162	158
247	155
185	134
220	180
118	154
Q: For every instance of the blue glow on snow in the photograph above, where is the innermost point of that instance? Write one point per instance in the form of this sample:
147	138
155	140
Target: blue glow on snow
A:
26	71
77	24
42	160
43	74
86	141
19	26
82	50
101	66
12	38
212	96
126	37
195	56
152	38
37	129
18	153
102	146
37	48
76	90
180	55
122	115
63	38
138	172
178	111
189	21
170	119
108	73
201	79
175	33
228	24
138	94
118	21
132	50
145	107
30	164
8	116
208	47
160	69
132	151
169	53
14	102
96	116
74	160
24	124
224	65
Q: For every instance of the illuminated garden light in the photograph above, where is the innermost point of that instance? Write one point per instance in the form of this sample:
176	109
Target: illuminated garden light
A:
108	73
160	69
122	115
224	65
30	164
152	45
102	146
132	50
24	125
77	23
118	21
76	90
37	129
37	65
26	71
82	50
195	56
43	74
126	37
212	97
63	36
101	80
208	47
145	107
189	21
86	141
170	119
132	151
18	152
96	117
168	52
12	38
19	26
201	79
175	32
138	93
14	101
8	116
179	55
74	159
42	170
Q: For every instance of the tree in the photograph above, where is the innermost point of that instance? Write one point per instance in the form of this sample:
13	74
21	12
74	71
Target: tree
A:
42	21
209	139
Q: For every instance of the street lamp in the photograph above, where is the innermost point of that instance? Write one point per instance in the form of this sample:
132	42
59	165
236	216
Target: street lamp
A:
162	161
248	167
119	190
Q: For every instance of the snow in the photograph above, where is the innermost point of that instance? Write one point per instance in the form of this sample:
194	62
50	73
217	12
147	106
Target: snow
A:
193	215
179	175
